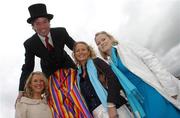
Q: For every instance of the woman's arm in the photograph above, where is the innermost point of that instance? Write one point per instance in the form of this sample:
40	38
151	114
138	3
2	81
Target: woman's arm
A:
113	84
20	110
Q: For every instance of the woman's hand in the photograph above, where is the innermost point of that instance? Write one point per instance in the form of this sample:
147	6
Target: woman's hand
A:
112	111
175	96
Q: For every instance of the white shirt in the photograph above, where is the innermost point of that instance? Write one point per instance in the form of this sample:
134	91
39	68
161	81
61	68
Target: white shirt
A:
43	39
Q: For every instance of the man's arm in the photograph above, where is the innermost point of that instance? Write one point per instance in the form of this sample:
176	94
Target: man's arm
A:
27	67
68	40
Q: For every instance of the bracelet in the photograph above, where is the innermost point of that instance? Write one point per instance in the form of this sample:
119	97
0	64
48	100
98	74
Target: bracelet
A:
110	105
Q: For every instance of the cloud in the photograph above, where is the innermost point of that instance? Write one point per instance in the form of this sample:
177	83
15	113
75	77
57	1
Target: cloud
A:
171	60
166	30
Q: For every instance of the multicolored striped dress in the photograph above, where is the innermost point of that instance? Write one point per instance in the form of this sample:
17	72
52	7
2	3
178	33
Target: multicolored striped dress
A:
65	99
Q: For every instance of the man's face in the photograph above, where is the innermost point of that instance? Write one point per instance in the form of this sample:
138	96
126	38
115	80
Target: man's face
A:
42	26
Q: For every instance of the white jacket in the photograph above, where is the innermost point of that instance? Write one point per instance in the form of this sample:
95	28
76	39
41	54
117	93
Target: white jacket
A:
145	65
32	108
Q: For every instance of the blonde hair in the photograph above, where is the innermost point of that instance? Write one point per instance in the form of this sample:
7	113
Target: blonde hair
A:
89	48
28	90
114	42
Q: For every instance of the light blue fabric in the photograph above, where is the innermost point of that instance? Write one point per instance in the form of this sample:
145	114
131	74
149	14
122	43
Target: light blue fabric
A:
154	105
134	97
93	76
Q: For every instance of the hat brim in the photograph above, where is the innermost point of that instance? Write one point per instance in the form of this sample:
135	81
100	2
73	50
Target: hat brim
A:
48	16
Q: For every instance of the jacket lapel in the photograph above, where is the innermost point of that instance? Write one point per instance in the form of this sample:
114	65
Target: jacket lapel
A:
39	47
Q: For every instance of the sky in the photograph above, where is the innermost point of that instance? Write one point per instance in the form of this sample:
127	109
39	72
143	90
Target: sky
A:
153	24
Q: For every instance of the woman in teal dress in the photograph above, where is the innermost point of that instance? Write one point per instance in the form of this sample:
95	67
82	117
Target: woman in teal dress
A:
140	71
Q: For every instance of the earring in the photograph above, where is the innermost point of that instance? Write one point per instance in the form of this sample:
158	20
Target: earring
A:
114	43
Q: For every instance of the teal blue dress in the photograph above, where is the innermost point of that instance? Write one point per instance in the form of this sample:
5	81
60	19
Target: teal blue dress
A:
154	105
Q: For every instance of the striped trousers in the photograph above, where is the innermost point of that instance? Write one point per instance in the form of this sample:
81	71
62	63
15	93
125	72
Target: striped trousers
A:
65	99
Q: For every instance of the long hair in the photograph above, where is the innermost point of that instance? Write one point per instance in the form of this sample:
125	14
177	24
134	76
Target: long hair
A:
28	92
114	42
89	48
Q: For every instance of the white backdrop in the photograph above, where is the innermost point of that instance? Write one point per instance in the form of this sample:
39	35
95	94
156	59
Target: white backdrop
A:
151	23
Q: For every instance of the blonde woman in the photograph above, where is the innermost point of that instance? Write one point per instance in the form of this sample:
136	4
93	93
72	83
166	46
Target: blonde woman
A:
33	104
99	85
150	89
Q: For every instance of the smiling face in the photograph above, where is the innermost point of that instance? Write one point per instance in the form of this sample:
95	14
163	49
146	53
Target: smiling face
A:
104	43
37	85
81	53
42	26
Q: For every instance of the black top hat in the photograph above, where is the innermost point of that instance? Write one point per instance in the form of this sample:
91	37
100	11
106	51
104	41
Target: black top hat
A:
38	10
